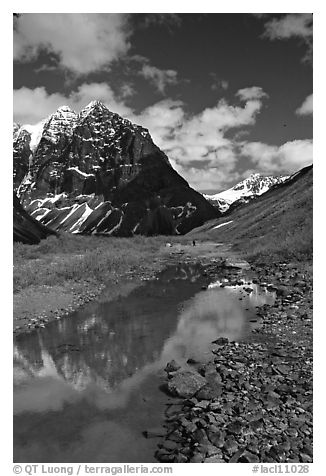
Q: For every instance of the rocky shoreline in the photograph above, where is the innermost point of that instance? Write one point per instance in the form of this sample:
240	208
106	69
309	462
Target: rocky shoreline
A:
39	305
252	401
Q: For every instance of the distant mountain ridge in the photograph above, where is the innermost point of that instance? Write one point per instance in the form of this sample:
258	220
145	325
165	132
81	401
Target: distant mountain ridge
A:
256	184
96	172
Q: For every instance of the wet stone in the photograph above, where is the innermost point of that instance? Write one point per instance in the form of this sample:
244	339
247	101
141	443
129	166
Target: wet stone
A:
172	366
304	458
154	432
170	445
165	457
230	446
221	341
248	457
189	426
216	438
236	456
200	436
202	405
307	449
264	411
197	458
214	459
185	383
192	361
235	427
181	458
209	391
292	432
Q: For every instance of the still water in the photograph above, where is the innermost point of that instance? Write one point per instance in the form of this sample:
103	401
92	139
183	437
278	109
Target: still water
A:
87	386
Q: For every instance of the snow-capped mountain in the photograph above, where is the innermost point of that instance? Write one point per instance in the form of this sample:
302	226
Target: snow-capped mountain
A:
96	172
256	184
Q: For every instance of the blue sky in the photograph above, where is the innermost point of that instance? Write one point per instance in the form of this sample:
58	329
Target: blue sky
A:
223	95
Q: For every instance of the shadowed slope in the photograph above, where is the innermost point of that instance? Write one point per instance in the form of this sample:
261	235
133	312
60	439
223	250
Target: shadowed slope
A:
26	229
278	223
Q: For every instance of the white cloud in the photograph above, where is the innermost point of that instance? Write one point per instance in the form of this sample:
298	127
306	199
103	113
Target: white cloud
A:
306	107
159	77
293	25
33	105
201	137
85	42
208	178
254	92
162	119
126	90
287	158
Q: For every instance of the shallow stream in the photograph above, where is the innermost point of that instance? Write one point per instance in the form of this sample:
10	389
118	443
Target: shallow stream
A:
87	386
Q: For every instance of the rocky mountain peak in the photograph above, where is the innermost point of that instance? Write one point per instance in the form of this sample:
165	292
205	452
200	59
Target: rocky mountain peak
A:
60	122
63	112
113	178
255	184
96	104
65	108
94	108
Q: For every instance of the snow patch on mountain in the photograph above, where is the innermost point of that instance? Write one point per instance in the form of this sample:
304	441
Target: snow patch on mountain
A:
79	172
36	132
85	215
256	184
222	224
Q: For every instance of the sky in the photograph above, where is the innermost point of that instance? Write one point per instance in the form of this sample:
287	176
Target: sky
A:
224	95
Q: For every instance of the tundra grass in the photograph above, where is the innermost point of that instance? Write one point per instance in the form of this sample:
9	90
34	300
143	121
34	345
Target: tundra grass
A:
68	257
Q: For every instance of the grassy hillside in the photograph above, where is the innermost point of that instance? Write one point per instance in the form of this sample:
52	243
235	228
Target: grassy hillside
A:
277	226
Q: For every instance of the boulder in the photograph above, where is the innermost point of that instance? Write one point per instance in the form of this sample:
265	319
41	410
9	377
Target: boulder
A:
172	366
185	383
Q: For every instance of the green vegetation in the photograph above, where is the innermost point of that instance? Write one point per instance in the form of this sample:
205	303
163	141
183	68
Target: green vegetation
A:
80	258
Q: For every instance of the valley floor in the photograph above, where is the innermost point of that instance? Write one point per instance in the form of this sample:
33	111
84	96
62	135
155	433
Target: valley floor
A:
57	276
257	404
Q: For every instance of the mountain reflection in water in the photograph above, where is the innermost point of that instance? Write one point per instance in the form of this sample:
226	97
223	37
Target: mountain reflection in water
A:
106	358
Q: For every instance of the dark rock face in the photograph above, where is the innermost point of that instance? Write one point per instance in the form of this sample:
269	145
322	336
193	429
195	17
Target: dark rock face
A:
26	229
127	182
22	152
